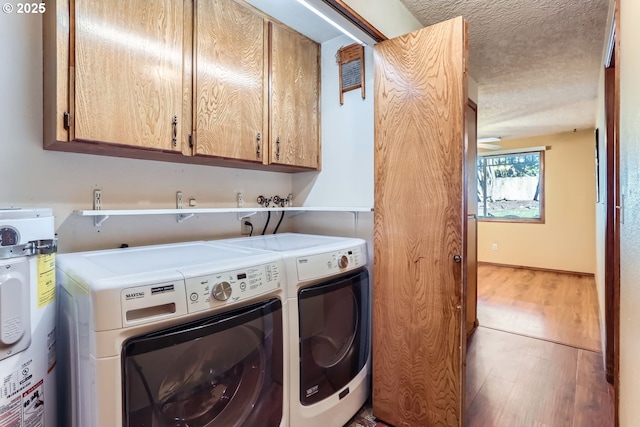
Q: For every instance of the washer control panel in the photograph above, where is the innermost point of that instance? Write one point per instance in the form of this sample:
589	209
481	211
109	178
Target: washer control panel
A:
219	289
330	263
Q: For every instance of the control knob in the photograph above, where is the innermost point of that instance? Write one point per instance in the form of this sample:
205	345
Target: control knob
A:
343	261
221	291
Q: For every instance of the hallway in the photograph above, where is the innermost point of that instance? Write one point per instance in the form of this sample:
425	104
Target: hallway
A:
549	305
535	359
514	380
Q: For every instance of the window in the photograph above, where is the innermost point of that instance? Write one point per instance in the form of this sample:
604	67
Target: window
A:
510	187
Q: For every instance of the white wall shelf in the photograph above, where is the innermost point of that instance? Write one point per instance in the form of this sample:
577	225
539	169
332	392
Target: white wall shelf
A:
100	215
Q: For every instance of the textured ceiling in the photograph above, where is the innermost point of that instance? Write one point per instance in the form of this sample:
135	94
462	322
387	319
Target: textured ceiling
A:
537	62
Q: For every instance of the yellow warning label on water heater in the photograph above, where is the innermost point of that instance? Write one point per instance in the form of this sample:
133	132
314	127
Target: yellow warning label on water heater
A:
46	279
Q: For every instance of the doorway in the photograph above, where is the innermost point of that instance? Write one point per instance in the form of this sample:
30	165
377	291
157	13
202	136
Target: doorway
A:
613	214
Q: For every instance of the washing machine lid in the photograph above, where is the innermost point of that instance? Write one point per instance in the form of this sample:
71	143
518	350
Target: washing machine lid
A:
295	242
120	268
9	213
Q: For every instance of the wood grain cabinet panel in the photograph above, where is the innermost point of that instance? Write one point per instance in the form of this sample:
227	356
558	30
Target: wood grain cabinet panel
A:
420	96
230	57
128	72
113	77
183	81
295	89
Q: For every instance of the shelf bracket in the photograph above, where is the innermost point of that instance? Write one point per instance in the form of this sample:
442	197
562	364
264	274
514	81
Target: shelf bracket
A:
291	214
184	217
97	206
356	219
181	217
243	215
98	220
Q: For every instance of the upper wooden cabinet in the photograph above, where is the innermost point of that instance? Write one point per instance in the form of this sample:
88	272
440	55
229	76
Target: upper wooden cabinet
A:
123	71
294	68
128	72
183	81
230	81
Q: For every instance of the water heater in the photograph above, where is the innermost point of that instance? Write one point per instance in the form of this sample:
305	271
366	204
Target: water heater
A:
27	318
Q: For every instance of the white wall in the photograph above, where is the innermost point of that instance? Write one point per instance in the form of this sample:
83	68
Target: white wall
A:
390	17
601	216
630	229
346	178
566	239
32	177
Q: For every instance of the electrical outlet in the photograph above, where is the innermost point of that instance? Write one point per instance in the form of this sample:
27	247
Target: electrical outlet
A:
97	200
494	247
245	229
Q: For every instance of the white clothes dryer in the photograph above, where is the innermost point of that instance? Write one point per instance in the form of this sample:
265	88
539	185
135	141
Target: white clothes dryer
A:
329	324
187	334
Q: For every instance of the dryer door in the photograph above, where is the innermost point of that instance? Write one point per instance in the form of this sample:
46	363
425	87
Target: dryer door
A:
221	371
334	335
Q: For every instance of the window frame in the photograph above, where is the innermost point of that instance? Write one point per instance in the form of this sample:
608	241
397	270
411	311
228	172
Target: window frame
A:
541	194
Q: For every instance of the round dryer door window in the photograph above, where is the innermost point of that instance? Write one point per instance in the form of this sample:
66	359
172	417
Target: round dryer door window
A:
213	388
336	328
333	328
225	370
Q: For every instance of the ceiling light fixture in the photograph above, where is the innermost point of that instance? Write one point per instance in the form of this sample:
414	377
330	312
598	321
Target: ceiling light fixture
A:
330	22
489	139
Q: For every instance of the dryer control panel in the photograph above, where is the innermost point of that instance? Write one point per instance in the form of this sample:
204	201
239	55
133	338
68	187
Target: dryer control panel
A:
330	263
219	289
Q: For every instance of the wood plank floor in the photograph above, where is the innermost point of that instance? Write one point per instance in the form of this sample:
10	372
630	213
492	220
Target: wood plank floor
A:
513	380
517	380
554	306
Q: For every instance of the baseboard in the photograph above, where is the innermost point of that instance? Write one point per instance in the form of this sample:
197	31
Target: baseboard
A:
549	270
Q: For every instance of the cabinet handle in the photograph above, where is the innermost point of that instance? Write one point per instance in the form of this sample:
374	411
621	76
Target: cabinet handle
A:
66	120
259	150
278	148
175	131
457	258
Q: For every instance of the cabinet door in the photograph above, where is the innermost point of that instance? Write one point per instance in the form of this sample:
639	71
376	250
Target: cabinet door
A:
294	69
420	96
128	72
230	99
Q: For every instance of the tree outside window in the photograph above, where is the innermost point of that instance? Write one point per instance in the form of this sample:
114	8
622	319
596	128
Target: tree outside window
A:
510	187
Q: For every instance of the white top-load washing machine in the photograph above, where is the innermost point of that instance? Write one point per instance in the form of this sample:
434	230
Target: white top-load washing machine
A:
329	324
186	334
27	318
